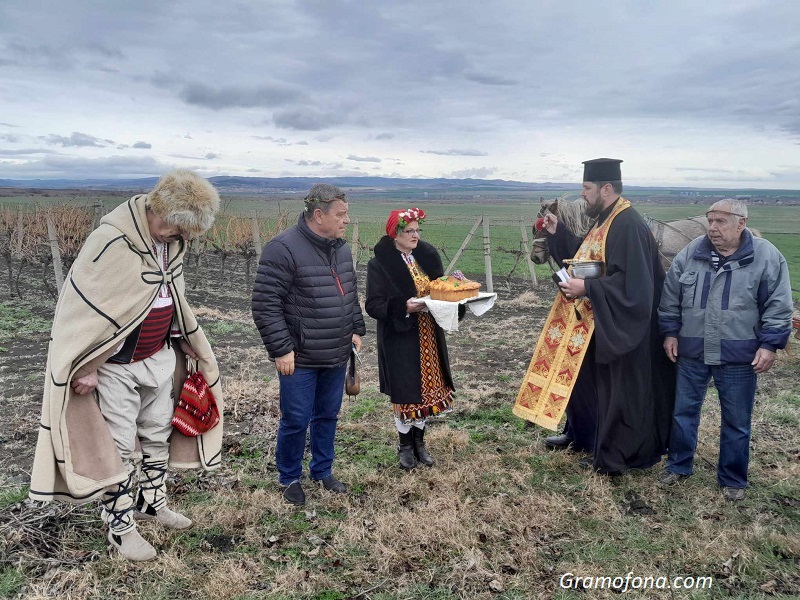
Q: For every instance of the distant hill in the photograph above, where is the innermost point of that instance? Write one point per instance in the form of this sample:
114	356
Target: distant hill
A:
255	185
465	188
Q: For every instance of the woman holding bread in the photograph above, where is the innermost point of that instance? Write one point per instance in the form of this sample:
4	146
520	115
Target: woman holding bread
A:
413	365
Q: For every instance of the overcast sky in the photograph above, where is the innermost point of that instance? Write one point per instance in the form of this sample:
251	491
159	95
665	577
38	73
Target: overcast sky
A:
687	93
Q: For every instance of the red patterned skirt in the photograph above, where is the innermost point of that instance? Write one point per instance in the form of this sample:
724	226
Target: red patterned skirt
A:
437	396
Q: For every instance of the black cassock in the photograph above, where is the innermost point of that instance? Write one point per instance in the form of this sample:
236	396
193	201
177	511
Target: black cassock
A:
621	406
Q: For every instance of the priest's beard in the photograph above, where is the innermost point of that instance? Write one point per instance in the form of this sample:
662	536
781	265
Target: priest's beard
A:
594	208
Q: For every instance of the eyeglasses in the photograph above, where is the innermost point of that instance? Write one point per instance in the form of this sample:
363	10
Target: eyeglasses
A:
413	231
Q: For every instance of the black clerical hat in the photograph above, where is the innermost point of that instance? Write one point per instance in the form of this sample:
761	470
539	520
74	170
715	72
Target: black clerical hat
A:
602	169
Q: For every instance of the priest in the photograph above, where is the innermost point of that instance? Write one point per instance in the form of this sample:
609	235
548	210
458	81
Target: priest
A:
599	356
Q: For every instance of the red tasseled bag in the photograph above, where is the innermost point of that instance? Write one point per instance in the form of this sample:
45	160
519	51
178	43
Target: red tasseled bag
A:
196	411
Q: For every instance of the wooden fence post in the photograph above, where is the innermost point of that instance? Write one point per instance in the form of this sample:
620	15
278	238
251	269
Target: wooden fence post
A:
487	255
464	244
98	214
354	244
51	233
20	231
527	252
256	236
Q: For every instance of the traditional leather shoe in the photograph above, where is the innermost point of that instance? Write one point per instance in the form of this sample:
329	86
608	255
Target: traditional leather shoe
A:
294	494
587	462
558	442
165	516
669	478
332	484
132	546
733	494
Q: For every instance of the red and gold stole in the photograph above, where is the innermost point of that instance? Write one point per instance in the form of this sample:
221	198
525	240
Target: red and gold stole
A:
562	345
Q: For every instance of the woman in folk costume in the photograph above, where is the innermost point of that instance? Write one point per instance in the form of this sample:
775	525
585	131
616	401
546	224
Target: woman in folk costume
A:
413	365
120	319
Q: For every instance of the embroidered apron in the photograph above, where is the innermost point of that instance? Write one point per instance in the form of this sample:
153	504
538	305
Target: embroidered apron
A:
562	345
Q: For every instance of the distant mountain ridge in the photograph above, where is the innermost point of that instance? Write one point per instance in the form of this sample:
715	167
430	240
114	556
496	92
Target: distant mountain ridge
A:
292	185
233	184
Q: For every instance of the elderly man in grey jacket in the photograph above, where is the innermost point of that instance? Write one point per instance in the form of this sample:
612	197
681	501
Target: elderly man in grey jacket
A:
725	309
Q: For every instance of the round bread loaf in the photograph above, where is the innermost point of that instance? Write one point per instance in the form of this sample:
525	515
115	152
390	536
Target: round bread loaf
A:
454	288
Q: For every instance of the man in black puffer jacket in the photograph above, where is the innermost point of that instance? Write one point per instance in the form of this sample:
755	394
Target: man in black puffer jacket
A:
305	305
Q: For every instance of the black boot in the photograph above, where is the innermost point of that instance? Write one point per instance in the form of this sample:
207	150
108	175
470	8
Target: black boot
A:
405	452
420	451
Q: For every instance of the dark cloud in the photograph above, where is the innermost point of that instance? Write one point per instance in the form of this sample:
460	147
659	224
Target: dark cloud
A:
455	152
77	139
374	159
306	119
489	79
102	50
26	152
68	56
280	141
269	138
143	145
266	96
208	156
62	166
716	71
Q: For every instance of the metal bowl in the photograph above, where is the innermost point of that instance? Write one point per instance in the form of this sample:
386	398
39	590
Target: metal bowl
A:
587	269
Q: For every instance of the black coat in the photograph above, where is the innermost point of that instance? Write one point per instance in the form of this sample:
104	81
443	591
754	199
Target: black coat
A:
389	285
298	303
629	422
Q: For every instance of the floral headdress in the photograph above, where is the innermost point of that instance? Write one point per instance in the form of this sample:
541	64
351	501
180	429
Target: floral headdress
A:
401	219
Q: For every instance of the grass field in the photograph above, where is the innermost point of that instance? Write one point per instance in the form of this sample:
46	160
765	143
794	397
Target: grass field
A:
498	517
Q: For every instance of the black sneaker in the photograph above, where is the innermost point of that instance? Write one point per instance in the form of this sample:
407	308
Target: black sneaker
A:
294	494
670	478
332	484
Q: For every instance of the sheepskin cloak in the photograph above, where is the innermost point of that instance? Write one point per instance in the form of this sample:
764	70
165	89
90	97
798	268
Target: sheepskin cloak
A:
107	294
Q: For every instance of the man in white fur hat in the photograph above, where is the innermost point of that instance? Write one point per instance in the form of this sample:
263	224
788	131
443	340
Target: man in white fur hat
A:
120	321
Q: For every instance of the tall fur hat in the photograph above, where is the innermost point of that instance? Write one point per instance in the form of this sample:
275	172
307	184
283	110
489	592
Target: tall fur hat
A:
184	199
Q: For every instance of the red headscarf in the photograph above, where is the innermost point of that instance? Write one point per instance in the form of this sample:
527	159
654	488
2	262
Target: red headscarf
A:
401	218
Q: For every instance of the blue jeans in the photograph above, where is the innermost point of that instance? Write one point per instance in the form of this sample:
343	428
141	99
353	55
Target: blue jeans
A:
736	384
308	396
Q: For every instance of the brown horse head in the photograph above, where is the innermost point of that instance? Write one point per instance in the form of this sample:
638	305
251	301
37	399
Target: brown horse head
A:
539	251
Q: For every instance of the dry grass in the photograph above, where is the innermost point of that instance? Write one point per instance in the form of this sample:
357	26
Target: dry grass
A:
497	517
